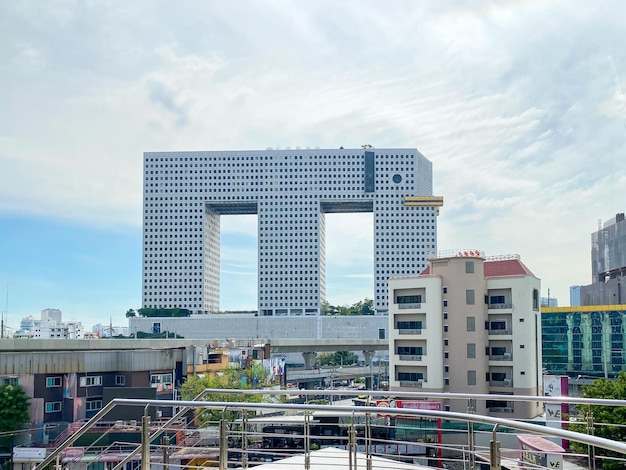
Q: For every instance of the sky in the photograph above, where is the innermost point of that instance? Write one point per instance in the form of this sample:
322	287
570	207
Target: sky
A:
518	104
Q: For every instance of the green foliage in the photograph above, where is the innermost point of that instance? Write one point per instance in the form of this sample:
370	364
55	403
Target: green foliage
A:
610	419
130	313
363	307
338	358
163	312
13	410
233	377
164	335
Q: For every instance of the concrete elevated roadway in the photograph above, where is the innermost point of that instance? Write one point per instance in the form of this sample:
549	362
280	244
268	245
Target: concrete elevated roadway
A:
310	347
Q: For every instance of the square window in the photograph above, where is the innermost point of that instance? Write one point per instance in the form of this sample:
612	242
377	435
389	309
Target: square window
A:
469	267
471	377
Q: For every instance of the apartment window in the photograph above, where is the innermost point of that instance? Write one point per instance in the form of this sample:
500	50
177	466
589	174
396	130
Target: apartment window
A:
471	377
445	328
91	381
496	299
53	406
157	379
93	405
535	299
445	290
471	323
446	381
469	296
53	382
156	328
469	267
445	315
445	303
10	381
120	380
381	333
471	350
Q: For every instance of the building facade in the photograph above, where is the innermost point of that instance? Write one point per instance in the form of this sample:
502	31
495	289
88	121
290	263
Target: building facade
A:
186	193
468	324
584	342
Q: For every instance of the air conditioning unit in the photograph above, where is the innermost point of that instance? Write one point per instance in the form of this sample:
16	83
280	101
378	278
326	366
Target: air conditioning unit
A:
507	410
508	355
508	381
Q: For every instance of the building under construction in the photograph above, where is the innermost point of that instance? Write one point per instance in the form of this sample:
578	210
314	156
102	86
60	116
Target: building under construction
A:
608	264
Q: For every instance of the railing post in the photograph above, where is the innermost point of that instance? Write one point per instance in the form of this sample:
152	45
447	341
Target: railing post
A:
307	441
368	441
352	448
591	450
166	454
494	451
223	443
244	440
470	438
145	440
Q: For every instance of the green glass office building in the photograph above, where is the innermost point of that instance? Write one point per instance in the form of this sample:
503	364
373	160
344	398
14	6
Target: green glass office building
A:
584	341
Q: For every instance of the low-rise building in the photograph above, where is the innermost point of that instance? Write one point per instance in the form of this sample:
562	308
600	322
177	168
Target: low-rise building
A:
468	324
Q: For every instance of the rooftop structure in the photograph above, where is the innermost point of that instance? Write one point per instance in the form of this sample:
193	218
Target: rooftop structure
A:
186	193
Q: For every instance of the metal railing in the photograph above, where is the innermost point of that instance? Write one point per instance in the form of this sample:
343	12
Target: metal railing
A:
365	433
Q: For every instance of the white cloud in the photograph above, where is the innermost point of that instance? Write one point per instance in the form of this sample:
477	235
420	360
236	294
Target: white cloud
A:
515	103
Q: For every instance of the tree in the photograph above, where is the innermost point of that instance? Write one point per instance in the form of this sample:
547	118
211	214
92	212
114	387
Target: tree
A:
338	358
363	307
13	409
131	313
233	377
612	418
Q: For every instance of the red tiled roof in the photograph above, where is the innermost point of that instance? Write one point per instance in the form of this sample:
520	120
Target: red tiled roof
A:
509	267
500	268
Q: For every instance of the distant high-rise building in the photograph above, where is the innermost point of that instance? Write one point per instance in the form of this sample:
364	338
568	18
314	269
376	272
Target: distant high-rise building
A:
468	324
574	296
608	265
291	191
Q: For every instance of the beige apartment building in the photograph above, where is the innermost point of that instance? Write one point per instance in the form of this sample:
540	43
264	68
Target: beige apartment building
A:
468	324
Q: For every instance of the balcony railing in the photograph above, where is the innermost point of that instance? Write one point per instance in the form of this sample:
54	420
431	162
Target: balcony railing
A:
501	357
409	332
360	436
409	357
501	383
401	306
501	332
411	383
499	306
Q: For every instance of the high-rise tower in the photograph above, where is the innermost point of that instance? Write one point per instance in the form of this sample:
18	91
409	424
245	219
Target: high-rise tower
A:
185	193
